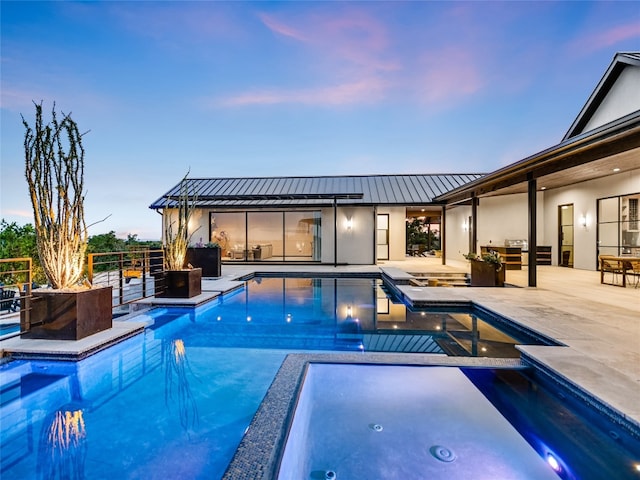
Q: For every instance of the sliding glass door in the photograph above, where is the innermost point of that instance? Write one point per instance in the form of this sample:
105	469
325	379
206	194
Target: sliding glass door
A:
258	236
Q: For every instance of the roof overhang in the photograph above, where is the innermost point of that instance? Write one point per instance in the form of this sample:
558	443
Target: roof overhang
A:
592	155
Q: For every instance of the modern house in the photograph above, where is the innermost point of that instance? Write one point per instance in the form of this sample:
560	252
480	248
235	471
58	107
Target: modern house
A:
332	220
577	199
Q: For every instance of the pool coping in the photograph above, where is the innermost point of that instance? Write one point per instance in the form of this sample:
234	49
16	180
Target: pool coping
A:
259	453
17	348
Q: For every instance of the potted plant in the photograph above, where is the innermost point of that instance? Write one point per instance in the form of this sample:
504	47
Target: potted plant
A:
179	280
70	309
206	256
486	270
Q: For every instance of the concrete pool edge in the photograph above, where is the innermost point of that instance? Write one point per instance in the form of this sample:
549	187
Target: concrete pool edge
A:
545	361
259	452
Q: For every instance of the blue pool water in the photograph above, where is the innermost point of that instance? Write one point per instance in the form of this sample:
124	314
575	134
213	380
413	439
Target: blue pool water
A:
175	401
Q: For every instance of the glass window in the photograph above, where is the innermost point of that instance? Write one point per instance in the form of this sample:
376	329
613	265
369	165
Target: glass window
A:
302	235
618	225
265	235
228	229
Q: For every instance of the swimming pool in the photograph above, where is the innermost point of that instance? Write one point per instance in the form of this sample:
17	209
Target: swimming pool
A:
175	401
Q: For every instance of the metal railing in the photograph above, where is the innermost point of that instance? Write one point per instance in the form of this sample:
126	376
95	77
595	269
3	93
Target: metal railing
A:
130	273
16	277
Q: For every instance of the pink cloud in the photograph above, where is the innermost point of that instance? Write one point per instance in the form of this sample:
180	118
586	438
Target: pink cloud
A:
16	99
449	75
617	34
600	40
352	38
363	91
280	28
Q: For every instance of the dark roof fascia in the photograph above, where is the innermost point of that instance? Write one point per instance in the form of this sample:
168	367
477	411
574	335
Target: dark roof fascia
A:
620	61
209	200
285	196
267	206
548	161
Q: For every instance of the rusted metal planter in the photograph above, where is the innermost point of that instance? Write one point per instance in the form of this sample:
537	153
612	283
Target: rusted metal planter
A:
67	315
485	274
209	259
178	283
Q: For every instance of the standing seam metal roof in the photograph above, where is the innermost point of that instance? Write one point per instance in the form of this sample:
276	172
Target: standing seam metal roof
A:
317	191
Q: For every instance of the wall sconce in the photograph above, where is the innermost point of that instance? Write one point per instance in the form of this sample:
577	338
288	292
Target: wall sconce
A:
465	226
583	221
349	223
349	311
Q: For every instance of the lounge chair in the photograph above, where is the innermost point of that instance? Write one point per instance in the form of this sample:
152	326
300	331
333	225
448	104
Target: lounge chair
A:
8	301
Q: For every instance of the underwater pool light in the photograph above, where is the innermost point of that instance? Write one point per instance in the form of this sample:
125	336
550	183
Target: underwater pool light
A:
553	463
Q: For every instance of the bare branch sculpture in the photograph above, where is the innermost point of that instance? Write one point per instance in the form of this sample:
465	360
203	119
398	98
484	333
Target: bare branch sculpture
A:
54	159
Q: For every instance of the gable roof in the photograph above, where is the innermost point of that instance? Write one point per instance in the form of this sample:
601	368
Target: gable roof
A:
316	191
620	62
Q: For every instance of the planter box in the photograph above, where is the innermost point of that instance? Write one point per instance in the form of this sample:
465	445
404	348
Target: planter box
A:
485	274
208	259
62	315
178	283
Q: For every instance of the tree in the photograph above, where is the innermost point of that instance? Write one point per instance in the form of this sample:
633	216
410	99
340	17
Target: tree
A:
105	242
420	233
20	242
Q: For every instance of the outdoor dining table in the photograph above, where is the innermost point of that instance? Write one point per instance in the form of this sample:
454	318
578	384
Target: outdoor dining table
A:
621	264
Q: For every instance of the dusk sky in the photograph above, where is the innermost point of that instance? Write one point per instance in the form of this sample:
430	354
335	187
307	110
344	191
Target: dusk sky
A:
236	89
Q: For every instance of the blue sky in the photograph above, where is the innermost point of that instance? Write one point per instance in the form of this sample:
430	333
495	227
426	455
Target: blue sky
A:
294	88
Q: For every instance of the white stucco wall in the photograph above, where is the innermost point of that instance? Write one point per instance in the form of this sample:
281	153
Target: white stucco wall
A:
457	238
397	231
199	226
198	223
355	246
584	197
506	217
622	99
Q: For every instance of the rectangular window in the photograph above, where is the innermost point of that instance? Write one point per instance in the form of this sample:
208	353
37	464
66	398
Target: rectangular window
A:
258	236
229	230
302	235
618	225
264	230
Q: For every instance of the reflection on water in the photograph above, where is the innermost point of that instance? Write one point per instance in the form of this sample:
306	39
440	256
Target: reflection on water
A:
63	447
177	384
353	314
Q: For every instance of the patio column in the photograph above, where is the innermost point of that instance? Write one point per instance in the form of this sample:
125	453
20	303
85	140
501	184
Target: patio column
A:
532	207
335	231
443	234
474	223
